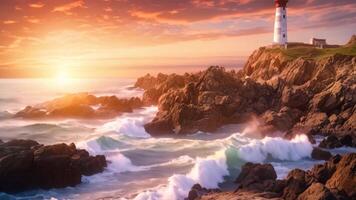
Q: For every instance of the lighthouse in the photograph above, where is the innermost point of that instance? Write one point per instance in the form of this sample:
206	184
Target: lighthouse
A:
280	23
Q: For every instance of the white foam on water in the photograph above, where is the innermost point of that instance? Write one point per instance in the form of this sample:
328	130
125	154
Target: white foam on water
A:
117	162
281	170
131	124
208	172
279	148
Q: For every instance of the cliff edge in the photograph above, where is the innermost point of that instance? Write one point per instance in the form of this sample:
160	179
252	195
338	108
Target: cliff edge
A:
301	89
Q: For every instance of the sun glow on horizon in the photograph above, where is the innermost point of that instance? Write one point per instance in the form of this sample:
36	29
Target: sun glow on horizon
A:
62	78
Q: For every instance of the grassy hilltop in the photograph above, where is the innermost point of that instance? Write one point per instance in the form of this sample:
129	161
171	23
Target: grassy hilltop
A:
307	51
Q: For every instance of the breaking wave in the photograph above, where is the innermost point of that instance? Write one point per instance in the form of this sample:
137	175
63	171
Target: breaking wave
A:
110	148
131	125
210	172
277	148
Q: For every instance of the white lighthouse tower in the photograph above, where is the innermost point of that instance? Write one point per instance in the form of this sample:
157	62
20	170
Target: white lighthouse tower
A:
280	23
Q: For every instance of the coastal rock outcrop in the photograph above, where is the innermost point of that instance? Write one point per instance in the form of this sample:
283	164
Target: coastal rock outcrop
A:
26	164
81	105
319	154
334	180
289	90
260	177
210	102
333	141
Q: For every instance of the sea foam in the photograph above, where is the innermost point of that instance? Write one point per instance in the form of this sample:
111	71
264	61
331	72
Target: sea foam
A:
110	148
131	124
277	148
210	171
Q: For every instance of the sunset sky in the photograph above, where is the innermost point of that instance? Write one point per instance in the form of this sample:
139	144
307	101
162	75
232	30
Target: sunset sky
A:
127	38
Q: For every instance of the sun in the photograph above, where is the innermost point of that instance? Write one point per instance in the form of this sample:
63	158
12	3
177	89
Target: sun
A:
62	78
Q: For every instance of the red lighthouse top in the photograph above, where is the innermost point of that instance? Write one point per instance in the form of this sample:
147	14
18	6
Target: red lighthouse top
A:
281	3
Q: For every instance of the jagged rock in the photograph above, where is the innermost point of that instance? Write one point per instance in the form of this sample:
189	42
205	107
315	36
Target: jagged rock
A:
322	172
319	95
330	142
344	178
319	154
25	164
257	181
197	191
297	182
259	177
295	98
317	191
348	140
81	105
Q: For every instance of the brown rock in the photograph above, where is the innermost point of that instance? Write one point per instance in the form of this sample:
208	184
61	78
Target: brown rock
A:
316	191
256	177
24	164
81	105
330	142
344	178
297	182
319	154
295	98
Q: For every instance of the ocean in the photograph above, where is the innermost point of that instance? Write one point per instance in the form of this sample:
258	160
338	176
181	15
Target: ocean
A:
141	167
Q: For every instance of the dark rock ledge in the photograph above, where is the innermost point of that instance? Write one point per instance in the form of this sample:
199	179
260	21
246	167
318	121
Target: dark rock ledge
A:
333	180
80	105
26	164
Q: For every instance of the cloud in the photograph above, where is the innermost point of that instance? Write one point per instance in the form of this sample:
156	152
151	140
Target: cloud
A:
36	5
33	21
9	22
69	6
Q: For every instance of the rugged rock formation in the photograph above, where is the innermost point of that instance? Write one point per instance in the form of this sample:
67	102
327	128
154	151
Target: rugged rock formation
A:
333	141
260	177
198	191
208	103
334	180
81	106
301	89
26	164
319	154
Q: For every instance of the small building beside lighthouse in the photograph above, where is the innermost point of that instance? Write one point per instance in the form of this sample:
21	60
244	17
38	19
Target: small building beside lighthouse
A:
280	36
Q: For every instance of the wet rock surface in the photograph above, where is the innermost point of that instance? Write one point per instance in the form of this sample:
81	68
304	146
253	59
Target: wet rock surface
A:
319	154
287	94
334	180
26	164
332	141
80	105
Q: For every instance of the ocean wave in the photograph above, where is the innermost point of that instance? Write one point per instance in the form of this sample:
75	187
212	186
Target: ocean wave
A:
209	172
111	149
132	124
129	126
277	148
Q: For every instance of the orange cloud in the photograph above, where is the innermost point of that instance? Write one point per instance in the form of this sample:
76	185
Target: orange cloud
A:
36	5
69	6
9	22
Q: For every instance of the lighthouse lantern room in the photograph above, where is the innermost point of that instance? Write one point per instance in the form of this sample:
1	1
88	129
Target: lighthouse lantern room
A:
280	23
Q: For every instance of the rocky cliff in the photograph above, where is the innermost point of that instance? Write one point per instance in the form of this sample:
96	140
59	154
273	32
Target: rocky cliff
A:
332	180
301	89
